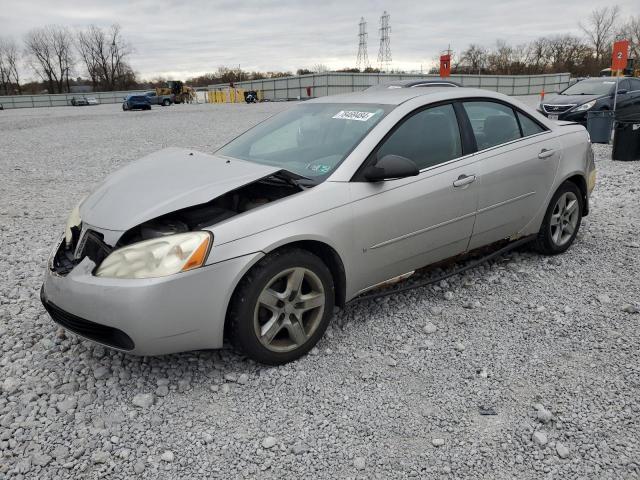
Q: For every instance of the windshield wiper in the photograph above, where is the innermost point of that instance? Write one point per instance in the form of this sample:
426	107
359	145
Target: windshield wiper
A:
290	178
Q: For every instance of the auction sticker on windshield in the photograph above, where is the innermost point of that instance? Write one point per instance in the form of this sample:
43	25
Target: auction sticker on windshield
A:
354	115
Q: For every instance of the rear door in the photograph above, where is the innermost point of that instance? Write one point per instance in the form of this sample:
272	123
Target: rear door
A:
408	223
518	161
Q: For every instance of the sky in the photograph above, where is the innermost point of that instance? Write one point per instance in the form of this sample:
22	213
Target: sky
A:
183	39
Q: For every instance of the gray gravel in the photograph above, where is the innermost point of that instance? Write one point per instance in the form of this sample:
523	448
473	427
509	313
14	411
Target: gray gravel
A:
526	367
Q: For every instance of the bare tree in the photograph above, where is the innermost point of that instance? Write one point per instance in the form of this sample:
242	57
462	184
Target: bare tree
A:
40	56
500	60
88	54
62	42
9	68
5	82
537	58
104	55
599	29
631	32
5	86
474	58
49	50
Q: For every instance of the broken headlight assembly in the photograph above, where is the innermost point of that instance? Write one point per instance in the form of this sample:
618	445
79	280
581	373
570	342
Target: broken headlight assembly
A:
73	221
158	257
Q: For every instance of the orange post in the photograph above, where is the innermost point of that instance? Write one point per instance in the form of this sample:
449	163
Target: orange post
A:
445	65
542	95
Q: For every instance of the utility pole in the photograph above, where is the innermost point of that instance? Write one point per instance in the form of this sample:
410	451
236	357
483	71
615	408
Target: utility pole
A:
384	53
362	61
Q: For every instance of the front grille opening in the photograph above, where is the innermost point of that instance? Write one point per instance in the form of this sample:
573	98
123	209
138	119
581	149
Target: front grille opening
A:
63	261
110	336
91	245
556	108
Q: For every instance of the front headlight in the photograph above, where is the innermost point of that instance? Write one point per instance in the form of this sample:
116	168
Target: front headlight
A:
585	106
158	257
73	221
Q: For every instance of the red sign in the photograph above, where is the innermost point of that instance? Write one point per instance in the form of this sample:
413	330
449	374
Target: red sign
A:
620	55
445	66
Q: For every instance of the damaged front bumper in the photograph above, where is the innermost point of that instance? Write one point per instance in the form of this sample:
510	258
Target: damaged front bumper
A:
180	312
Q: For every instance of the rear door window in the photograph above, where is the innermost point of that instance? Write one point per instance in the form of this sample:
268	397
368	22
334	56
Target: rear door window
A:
624	85
493	123
428	137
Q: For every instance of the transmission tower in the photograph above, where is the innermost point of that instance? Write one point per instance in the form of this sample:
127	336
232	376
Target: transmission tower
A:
362	61
384	54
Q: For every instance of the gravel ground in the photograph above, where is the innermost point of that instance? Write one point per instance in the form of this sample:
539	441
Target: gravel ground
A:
526	367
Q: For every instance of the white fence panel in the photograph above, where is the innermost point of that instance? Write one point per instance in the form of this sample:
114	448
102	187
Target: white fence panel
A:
290	88
334	83
61	99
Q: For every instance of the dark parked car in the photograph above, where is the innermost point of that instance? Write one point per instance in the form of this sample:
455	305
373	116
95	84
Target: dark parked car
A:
84	101
136	102
79	101
594	94
424	82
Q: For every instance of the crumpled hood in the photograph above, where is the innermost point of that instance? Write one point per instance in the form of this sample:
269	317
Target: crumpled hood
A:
163	182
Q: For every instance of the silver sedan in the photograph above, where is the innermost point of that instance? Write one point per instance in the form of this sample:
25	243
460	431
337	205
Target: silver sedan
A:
260	241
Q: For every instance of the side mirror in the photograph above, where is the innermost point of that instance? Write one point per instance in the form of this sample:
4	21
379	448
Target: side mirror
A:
389	167
622	91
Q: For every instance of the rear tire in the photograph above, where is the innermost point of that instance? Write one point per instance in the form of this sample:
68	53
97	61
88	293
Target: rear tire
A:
282	307
166	102
561	221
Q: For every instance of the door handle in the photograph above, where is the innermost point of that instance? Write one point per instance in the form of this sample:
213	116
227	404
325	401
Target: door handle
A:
464	180
546	153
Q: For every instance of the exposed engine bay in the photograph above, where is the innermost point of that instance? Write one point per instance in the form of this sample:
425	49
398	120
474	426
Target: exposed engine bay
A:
222	208
280	185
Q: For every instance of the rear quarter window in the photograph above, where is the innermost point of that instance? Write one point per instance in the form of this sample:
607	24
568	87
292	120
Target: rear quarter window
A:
529	126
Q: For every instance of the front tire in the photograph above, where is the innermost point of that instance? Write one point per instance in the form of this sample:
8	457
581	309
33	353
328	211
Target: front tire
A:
166	102
561	221
282	307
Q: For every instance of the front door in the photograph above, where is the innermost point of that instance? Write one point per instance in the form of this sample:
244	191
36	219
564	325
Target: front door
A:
408	223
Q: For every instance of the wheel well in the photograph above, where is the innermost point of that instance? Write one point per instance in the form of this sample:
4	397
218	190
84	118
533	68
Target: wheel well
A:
327	254
580	182
331	259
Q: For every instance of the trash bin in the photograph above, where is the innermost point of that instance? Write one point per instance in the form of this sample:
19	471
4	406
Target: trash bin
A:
251	96
626	141
599	126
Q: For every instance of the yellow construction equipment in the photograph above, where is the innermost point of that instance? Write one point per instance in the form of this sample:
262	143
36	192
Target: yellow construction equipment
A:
181	92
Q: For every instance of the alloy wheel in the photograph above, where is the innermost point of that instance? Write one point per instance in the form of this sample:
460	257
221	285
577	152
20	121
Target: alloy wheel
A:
564	218
289	309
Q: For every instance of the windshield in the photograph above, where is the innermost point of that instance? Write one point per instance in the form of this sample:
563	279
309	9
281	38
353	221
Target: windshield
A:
310	140
590	87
